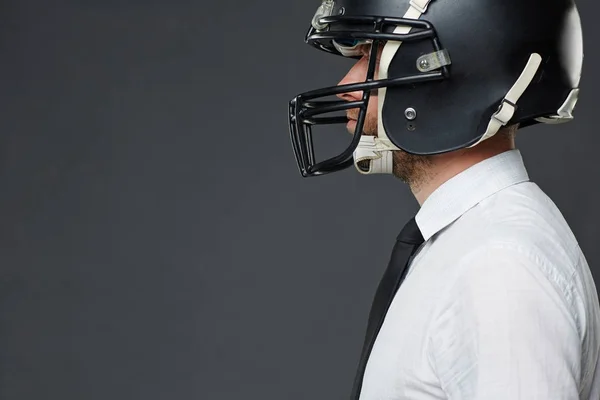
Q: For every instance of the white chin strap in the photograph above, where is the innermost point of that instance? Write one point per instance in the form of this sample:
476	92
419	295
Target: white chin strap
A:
374	155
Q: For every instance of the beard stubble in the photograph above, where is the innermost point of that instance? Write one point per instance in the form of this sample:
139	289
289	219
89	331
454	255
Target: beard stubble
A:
409	168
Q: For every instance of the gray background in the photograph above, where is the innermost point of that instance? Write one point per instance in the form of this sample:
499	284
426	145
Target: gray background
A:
157	241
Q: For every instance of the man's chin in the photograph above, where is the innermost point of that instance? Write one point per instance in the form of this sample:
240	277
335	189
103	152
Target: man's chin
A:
351	126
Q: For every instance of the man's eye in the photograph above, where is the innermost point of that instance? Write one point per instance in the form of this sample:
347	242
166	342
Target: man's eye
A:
347	42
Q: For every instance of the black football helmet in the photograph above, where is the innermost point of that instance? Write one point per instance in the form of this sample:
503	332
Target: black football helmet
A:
451	74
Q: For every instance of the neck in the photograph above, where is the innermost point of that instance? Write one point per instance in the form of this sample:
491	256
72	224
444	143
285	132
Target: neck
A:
446	166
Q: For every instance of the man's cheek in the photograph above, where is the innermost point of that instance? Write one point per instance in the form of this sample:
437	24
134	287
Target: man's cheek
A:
372	107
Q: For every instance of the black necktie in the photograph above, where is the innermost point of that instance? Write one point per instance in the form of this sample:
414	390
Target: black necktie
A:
407	243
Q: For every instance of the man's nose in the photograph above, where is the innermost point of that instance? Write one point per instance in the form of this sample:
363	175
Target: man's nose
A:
355	75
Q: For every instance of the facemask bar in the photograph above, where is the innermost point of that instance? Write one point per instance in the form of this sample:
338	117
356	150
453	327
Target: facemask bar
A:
305	108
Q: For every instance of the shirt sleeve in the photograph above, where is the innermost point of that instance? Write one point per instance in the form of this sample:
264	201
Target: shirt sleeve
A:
504	330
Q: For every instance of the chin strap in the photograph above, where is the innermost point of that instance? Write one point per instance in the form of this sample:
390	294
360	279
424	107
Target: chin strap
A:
374	153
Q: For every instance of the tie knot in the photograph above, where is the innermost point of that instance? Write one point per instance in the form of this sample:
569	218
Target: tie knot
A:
411	233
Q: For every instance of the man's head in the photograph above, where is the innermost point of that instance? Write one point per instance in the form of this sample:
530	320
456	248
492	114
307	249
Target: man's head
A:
435	78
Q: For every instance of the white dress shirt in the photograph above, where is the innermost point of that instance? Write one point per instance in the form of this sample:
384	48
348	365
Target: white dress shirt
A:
499	302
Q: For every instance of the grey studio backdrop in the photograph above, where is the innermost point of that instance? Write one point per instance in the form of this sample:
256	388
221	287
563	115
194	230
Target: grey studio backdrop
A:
157	240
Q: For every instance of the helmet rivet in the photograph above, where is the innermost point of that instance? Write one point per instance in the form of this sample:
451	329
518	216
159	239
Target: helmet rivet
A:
410	113
424	64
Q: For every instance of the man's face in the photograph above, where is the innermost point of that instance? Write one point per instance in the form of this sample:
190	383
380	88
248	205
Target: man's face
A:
409	168
358	73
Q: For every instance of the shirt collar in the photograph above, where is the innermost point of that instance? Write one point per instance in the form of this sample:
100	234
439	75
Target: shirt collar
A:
465	190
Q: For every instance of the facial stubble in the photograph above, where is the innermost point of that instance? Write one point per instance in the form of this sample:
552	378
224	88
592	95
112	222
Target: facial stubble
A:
409	168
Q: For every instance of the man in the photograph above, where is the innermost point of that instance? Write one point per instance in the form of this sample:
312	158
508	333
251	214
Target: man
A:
488	294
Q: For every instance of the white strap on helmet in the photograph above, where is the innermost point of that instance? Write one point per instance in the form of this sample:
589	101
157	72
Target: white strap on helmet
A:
507	108
378	150
565	112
